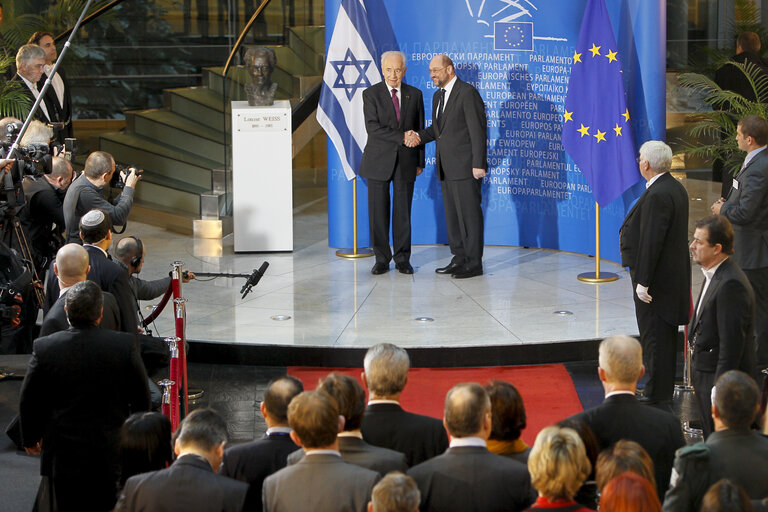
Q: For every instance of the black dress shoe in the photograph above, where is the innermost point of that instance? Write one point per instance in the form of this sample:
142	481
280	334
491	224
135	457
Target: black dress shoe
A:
404	267
465	273
380	268
449	268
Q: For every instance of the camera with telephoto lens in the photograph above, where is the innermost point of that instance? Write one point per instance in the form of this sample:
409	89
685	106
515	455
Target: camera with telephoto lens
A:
120	174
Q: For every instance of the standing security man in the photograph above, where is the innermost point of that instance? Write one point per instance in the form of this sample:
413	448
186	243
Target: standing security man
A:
391	108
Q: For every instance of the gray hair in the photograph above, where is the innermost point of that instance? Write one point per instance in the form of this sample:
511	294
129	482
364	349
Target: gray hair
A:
29	52
657	154
621	357
392	53
396	492
37	133
386	369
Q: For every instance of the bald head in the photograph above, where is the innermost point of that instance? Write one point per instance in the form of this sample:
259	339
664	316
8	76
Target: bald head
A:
621	358
71	264
467	410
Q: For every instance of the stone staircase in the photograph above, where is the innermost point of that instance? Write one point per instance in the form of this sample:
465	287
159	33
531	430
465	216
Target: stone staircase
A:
184	146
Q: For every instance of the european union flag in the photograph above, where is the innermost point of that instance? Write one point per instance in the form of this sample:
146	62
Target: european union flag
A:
596	132
513	36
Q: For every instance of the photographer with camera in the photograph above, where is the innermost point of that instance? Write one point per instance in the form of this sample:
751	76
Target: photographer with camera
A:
85	194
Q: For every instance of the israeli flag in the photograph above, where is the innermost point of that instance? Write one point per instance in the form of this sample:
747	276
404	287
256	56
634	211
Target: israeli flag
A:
351	66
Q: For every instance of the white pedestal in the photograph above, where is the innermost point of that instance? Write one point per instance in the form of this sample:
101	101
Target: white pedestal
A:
262	182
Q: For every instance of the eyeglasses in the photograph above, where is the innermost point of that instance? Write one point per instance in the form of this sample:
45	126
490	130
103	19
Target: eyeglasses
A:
435	70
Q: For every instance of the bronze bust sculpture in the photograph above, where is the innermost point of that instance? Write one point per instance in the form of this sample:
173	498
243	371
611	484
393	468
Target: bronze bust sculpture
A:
260	62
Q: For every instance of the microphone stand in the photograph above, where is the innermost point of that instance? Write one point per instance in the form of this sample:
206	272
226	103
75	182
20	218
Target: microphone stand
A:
252	278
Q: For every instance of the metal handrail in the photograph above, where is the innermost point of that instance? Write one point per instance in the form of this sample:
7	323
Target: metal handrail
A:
240	38
95	14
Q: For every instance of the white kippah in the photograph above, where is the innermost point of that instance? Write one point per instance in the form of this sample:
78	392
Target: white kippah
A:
92	218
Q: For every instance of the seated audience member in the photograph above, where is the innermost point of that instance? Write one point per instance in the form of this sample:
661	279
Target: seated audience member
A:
350	397
622	457
587	494
732	451
385	423
80	387
253	462
191	482
467	476
70	267
508	413
395	492
558	465
321	481
629	492
726	496
145	444
622	416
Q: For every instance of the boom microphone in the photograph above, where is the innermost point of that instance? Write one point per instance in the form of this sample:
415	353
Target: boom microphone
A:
254	279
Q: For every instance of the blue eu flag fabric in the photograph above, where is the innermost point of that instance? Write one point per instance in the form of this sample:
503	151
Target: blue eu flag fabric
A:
513	36
596	131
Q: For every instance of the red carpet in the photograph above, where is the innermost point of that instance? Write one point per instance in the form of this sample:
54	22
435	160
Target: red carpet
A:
547	390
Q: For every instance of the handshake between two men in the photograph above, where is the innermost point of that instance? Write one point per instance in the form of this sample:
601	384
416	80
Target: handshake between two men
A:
411	139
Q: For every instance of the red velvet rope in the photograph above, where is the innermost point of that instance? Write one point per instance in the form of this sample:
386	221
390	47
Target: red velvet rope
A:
159	308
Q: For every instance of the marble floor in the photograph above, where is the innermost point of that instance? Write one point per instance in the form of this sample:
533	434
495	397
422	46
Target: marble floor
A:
527	296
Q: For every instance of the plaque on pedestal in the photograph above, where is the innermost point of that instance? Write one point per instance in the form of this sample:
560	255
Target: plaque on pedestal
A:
262	182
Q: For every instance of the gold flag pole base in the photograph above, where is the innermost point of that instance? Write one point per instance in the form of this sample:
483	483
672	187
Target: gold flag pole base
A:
597	276
355	251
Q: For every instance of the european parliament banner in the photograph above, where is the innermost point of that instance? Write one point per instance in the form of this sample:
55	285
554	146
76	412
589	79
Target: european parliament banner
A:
519	55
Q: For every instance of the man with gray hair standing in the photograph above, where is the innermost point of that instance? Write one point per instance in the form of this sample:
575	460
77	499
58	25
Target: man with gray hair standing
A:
391	108
621	416
654	245
395	492
385	423
468	476
30	66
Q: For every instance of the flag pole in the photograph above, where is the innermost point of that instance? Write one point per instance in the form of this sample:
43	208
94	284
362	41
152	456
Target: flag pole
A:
596	277
355	252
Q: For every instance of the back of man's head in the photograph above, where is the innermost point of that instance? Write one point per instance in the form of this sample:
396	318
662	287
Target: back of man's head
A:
621	357
314	417
386	369
349	395
658	155
95	226
72	263
83	304
466	406
395	492
60	168
736	399
748	42
279	393
203	429
98	163
126	249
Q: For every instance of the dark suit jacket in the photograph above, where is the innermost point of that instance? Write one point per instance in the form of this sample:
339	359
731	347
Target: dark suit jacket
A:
729	78
65	110
738	455
470	478
50	95
461	145
111	278
623	417
80	387
747	209
654	245
253	462
418	437
189	485
56	318
385	134
358	452
320	483
722	333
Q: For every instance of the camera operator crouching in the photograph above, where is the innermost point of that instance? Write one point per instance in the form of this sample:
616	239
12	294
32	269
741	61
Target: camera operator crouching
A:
86	194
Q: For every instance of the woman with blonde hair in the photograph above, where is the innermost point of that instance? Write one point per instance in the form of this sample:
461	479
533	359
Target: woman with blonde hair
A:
558	465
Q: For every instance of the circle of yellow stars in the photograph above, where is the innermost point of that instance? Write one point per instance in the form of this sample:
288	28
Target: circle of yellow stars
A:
517	43
568	116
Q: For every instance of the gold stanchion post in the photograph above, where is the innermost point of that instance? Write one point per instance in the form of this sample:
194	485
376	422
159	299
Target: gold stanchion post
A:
596	277
355	252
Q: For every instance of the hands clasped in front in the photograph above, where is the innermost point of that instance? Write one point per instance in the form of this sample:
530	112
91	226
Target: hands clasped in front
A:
411	139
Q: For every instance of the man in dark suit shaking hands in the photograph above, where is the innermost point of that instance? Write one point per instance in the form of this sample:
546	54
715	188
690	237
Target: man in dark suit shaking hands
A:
747	208
654	245
459	130
721	328
391	108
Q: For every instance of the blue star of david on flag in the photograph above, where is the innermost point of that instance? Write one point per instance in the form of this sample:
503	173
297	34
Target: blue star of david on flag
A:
360	68
513	36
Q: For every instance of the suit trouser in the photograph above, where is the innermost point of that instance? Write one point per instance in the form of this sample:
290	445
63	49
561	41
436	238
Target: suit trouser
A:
464	220
659	341
702	386
379	215
758	278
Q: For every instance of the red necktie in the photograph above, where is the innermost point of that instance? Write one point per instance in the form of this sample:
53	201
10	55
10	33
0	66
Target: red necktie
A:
396	103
